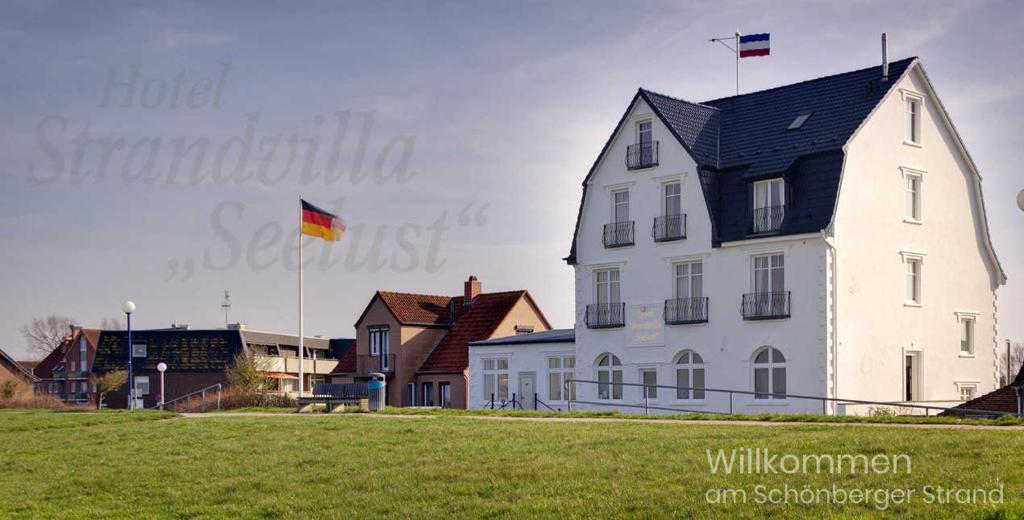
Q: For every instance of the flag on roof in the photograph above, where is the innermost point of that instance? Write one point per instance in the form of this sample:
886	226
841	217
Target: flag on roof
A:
319	223
752	45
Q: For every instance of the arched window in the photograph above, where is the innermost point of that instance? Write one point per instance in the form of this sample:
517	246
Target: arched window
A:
689	375
769	374
609	377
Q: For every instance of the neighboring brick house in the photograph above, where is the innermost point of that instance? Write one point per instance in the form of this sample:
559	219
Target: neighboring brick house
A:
420	342
197	359
65	371
1008	399
9	368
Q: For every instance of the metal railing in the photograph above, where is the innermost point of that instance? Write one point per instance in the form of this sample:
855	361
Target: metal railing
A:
767	219
669	227
618	234
647	406
518	403
642	155
188	398
367	364
682	311
766	305
606	315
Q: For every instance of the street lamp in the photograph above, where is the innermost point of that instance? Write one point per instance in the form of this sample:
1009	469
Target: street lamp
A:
129	307
162	367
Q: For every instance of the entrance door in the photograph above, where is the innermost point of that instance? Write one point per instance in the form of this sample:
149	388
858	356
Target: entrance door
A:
912	376
527	389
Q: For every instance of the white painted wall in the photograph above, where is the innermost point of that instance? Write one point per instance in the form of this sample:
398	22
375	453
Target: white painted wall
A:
521	358
874	325
727	342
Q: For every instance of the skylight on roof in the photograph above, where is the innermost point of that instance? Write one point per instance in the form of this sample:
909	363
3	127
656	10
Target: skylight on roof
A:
801	118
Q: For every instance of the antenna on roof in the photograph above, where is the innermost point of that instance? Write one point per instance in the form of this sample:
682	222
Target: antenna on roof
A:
226	306
885	59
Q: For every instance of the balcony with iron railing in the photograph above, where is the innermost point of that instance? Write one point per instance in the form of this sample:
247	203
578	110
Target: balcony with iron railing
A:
684	311
766	305
618	234
767	219
365	365
669	227
642	155
606	315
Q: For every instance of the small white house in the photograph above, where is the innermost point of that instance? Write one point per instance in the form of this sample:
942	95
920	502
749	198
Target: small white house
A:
821	239
530	368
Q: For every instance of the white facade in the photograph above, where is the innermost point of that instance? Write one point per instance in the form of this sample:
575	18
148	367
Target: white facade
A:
524	370
851	322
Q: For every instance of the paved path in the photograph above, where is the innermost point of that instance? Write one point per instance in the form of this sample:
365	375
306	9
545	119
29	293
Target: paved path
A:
611	420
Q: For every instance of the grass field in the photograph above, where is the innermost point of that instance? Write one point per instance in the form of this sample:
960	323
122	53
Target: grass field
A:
151	465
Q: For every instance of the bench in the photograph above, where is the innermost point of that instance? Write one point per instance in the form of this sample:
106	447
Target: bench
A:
335	396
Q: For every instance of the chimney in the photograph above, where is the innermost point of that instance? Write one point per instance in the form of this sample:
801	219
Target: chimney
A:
236	326
472	289
885	59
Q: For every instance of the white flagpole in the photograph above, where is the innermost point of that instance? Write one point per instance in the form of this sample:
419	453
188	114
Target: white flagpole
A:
737	62
301	324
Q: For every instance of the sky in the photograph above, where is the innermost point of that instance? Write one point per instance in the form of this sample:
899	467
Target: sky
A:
157	151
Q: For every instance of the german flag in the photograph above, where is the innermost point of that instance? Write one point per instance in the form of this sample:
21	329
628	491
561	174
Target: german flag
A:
319	223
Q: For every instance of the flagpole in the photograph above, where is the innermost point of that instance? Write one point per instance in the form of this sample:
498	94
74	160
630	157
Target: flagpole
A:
737	61
301	323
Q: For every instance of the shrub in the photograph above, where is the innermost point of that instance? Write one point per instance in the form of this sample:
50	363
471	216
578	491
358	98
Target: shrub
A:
17	393
234	398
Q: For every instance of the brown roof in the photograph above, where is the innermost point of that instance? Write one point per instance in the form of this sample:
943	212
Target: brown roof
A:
14	366
472	324
346	362
29	365
1000	400
417	309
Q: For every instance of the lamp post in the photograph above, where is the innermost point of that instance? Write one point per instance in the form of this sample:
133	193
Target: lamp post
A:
162	367
129	307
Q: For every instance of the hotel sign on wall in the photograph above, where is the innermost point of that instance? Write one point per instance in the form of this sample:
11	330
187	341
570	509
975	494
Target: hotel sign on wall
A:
645	325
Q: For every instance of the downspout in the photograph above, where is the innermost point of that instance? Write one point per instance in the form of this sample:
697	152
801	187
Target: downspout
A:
835	318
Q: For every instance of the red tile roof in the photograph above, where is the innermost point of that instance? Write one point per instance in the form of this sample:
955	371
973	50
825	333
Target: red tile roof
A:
472	324
346	362
14	366
417	309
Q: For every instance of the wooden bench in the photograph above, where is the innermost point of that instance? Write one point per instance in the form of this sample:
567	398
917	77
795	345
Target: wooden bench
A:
335	396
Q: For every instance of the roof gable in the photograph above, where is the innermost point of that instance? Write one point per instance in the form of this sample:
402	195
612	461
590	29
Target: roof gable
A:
14	366
476	323
413	309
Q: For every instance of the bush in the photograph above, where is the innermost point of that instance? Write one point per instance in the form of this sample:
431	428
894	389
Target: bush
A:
235	398
17	393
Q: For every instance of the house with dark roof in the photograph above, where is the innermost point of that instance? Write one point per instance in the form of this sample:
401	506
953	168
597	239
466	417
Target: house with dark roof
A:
1006	400
823	238
530	371
420	342
198	359
66	371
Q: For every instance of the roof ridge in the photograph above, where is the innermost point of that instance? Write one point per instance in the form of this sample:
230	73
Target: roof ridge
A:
681	100
415	294
820	78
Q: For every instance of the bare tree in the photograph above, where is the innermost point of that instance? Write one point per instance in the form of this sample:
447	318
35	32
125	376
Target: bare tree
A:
1016	360
42	335
107	383
111	324
248	373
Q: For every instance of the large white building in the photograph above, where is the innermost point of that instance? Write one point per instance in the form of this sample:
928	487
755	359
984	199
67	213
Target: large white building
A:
826	238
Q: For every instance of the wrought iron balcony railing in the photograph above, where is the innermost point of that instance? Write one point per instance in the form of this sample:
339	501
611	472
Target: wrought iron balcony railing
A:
768	219
669	227
618	234
642	155
367	364
606	315
682	311
766	305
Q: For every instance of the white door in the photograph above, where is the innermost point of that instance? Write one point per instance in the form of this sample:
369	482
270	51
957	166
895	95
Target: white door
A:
527	389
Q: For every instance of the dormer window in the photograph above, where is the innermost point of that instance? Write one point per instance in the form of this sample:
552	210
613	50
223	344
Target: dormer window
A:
801	118
643	154
769	205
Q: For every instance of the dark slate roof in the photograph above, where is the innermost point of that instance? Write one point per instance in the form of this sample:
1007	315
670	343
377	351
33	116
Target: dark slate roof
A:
182	350
547	336
737	139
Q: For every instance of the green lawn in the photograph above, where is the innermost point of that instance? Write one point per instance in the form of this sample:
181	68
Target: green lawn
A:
149	465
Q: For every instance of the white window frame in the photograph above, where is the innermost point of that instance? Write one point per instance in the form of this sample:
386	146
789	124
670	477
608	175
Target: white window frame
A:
615	205
379	339
84	355
495	369
138	388
427	393
912	118
690	366
640	132
139	350
771	365
915	202
685	270
918	354
764	188
969	320
609	283
678	196
915	298
770	269
609	371
650	393
966	385
558	373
